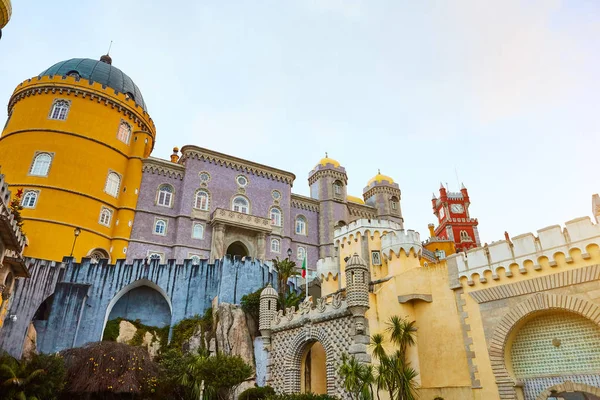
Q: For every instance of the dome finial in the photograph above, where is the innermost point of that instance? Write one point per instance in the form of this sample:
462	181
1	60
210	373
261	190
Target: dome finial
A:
326	155
106	58
379	171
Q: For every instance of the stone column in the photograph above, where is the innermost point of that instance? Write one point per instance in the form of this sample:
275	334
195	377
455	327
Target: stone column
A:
217	248
261	239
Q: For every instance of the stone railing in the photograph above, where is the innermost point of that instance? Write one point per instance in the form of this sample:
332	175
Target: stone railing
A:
325	308
247	221
528	248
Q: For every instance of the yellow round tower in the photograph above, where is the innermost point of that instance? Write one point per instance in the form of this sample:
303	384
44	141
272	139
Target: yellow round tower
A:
74	143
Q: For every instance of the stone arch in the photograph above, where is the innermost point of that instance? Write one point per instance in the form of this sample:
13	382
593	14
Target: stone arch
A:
295	353
238	248
538	302
568	386
127	289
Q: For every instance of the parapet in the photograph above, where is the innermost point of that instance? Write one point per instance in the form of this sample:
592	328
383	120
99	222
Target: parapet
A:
528	249
364	227
401	240
328	267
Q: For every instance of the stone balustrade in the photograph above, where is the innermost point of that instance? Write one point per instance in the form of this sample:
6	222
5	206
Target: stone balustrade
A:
247	221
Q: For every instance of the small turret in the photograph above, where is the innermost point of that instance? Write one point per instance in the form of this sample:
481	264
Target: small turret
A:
268	309
175	155
357	288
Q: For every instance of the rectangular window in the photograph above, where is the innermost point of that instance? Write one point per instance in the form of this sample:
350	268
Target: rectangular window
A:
375	257
198	231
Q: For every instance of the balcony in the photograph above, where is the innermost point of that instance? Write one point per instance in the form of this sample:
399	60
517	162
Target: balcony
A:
241	220
10	233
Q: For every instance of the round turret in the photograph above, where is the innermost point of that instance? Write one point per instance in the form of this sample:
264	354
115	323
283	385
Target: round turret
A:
268	309
357	285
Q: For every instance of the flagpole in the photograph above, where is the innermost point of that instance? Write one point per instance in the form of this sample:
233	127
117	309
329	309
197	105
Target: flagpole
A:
306	276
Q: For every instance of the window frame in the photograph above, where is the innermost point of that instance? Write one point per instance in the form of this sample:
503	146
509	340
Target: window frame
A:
36	156
194	225
304	231
280	216
169	194
36	193
277	248
129	133
118	188
207	200
191	257
304	251
156	222
55	104
243	198
394	204
104	209
338	189
160	254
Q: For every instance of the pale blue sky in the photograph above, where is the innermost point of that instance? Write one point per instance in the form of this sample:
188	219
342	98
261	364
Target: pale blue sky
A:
506	93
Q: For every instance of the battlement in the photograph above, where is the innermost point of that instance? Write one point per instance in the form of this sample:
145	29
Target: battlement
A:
527	250
401	240
361	227
328	267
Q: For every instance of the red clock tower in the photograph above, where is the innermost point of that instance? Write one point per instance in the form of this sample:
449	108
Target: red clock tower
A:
455	223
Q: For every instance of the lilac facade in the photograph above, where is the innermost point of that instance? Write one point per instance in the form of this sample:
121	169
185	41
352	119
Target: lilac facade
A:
237	216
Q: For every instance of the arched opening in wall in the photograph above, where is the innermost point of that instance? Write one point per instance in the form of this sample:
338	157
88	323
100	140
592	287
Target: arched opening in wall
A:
140	303
237	249
572	396
551	347
98	254
313	369
37	327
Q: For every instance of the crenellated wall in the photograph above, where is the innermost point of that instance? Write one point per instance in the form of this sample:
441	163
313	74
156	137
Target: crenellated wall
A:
528	252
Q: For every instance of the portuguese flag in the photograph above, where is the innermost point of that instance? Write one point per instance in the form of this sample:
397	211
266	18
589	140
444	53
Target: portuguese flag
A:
304	267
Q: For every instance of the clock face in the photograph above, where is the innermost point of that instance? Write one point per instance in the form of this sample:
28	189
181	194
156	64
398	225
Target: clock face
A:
457	208
442	213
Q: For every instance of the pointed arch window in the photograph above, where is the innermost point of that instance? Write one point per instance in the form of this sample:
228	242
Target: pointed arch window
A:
241	205
202	200
275	245
300	225
198	231
113	182
124	132
275	216
30	199
165	195
41	164
60	109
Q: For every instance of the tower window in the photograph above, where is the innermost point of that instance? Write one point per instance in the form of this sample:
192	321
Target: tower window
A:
165	195
41	164
160	227
124	133
201	201
30	199
301	253
464	237
395	204
113	182
275	217
300	225
275	245
60	109
105	216
338	189
198	231
240	204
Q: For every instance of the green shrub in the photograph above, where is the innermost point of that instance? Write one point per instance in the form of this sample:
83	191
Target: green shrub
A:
251	304
185	329
111	332
257	393
302	396
43	377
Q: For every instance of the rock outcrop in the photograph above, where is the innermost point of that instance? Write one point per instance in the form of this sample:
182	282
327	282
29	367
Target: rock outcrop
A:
150	340
30	344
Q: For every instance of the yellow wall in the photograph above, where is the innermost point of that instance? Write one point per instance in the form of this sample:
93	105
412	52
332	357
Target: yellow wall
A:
318	370
85	148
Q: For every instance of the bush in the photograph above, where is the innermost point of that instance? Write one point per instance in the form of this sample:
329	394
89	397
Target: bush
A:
251	304
111	332
257	393
42	377
302	396
185	329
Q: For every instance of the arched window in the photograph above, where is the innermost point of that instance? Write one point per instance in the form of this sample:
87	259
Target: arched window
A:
98	254
301	253
154	255
41	164
195	259
30	199
201	202
124	133
275	245
300	225
160	227
394	204
60	109
464	236
275	216
165	195
113	182
240	204
105	216
198	231
338	189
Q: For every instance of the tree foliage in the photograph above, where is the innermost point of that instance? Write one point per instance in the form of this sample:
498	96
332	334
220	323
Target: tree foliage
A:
41	378
302	396
251	303
257	393
358	378
285	269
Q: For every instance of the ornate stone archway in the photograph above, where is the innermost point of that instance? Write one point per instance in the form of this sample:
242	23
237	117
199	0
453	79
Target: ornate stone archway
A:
569	386
538	302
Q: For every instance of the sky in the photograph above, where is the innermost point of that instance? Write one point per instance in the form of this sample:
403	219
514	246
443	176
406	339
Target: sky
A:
503	96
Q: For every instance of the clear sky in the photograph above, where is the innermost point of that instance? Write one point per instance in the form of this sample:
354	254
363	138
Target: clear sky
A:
504	94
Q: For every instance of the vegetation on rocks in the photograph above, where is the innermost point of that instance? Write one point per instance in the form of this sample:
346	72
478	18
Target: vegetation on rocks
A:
111	332
185	329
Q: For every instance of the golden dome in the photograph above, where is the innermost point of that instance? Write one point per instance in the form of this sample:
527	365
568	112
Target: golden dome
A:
5	11
354	199
327	160
380	178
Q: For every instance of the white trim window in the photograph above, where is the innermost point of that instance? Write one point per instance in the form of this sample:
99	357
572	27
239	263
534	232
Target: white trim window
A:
113	183
160	227
195	259
41	164
202	200
60	110
395	204
30	199
155	255
240	204
124	132
105	216
300	225
197	231
165	196
275	216
338	189
275	245
301	253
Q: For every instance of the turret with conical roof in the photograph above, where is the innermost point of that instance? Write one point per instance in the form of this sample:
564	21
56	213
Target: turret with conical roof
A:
383	193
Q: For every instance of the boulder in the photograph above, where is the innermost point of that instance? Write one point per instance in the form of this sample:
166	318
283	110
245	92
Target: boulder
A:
126	332
30	344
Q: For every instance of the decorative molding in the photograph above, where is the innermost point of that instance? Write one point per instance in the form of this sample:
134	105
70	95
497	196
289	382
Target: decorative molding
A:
238	164
467	341
252	222
570	387
305	203
163	167
337	175
392	191
558	280
362	211
414	297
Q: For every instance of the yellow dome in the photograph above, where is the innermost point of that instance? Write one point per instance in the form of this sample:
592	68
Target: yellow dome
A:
327	160
354	199
380	178
5	11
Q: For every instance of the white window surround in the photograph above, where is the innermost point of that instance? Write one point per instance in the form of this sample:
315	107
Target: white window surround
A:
194	258
105	216
204	177
240	204
202	200
160	227
153	255
60	110
30	198
113	184
197	231
241	180
337	188
275	214
41	164
300	228
301	253
464	237
124	132
275	245
164	197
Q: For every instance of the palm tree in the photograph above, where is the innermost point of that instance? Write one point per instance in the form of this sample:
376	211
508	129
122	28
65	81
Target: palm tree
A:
285	270
358	378
15	381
